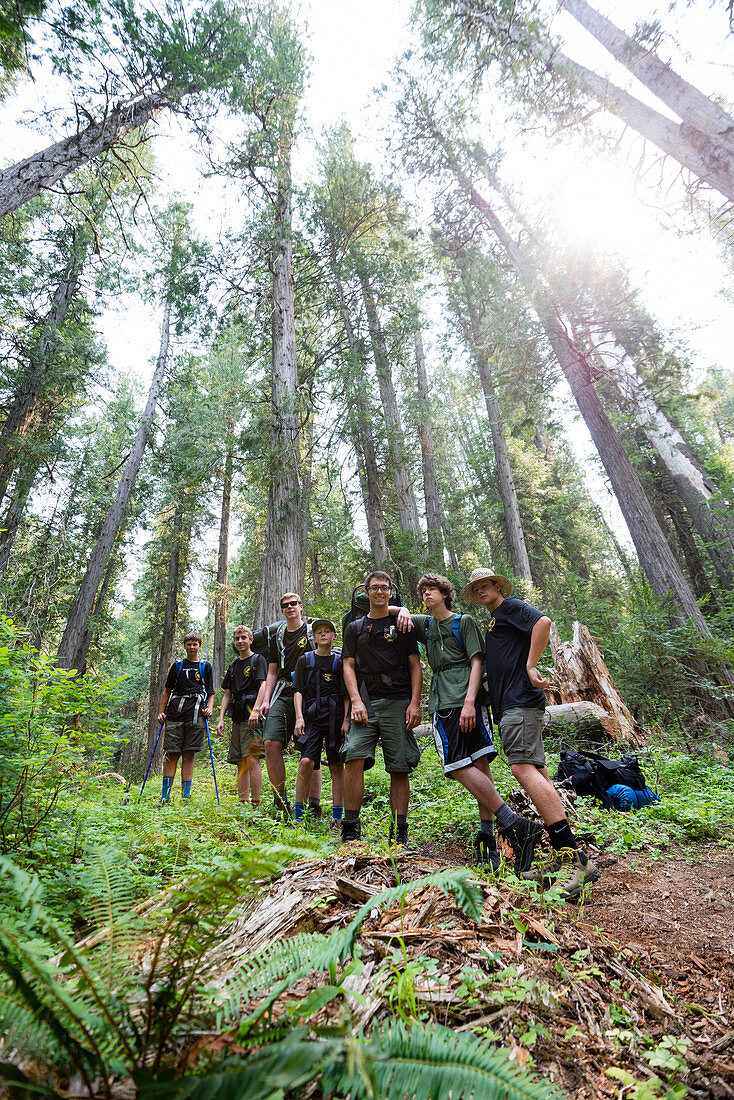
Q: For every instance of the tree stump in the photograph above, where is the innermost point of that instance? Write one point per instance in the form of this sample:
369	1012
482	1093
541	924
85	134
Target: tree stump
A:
583	697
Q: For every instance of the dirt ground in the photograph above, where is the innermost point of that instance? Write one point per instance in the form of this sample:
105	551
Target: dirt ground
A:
680	915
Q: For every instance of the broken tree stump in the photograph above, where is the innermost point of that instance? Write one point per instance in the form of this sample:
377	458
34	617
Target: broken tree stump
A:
582	679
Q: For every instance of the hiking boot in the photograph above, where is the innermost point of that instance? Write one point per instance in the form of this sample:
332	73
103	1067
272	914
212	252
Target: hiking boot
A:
569	868
485	851
335	826
398	834
524	837
351	830
314	809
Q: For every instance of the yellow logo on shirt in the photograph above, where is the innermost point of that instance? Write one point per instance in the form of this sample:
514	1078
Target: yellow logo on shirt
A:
328	676
490	627
302	642
248	670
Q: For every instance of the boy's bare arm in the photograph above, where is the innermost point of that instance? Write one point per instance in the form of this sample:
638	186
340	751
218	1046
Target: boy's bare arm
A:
254	719
163	704
468	717
539	638
359	710
223	709
300	726
413	713
209	708
269	687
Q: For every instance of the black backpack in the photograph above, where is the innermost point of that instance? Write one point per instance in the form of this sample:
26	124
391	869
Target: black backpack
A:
591	774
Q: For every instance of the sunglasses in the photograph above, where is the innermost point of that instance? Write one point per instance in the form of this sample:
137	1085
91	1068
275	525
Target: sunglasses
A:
290	603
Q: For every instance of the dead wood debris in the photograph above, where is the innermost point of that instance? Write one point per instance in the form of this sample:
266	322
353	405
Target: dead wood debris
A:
531	976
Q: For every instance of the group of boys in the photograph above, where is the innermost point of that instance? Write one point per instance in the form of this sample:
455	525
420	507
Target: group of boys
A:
345	704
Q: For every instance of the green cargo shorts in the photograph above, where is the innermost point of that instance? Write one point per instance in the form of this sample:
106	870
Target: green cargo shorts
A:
399	746
521	734
281	719
244	742
183	737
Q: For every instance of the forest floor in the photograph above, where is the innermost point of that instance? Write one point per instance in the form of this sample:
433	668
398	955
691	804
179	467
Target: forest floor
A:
630	994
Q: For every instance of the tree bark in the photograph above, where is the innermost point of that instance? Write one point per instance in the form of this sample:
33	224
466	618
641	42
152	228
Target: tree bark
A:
284	563
26	179
363	440
690	104
405	497
707	152
70	647
14	512
219	658
473	331
672	449
428	458
24	409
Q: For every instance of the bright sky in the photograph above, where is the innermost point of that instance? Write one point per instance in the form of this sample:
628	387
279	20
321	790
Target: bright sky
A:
597	201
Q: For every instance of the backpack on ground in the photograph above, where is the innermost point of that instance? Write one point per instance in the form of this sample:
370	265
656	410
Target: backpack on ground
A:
618	784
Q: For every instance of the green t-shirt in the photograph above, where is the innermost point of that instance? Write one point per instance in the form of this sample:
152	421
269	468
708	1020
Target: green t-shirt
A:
448	688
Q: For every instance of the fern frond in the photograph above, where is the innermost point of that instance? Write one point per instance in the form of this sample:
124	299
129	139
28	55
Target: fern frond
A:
425	1062
286	962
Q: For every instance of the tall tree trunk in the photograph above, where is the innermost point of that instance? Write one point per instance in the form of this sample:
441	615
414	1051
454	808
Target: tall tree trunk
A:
405	497
24	409
690	104
318	584
17	501
669	444
363	439
69	655
165	650
656	557
284	563
428	457
28	178
664	488
219	660
519	559
708	153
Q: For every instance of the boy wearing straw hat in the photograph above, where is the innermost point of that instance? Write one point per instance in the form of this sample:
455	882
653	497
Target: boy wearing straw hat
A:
516	637
458	702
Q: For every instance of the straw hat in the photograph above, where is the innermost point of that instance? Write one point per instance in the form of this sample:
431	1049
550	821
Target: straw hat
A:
468	593
323	622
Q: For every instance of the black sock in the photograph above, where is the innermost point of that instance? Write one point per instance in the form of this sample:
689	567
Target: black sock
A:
505	816
351	815
314	801
561	836
486	826
401	819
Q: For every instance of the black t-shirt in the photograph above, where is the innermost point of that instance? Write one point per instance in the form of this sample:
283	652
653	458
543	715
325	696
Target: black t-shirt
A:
244	676
381	654
189	680
295	643
331	681
507	645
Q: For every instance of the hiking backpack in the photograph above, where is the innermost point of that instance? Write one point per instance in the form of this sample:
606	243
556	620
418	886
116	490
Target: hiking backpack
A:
618	784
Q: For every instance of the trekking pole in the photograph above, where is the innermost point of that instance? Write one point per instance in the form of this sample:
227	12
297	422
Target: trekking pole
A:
160	731
211	754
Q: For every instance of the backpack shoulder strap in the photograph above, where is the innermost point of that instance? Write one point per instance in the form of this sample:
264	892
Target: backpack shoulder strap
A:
279	636
455	623
178	665
310	658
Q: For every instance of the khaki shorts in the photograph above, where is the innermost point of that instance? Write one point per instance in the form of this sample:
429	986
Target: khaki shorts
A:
399	746
244	742
281	719
521	734
184	736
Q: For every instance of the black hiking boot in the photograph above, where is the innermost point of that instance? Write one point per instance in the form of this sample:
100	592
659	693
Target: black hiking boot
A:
524	837
485	851
398	834
314	809
351	830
